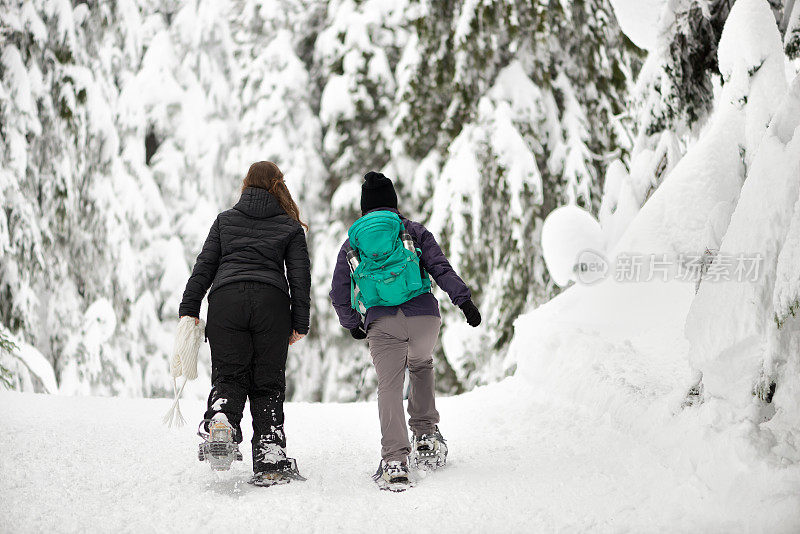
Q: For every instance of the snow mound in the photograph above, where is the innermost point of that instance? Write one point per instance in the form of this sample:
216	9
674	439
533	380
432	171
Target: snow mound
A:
567	232
639	20
691	373
616	351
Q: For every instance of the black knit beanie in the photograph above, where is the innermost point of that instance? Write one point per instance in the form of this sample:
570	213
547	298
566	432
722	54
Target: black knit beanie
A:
377	191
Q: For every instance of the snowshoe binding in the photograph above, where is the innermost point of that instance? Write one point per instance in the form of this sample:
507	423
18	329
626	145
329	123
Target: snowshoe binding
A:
428	451
272	467
219	448
393	476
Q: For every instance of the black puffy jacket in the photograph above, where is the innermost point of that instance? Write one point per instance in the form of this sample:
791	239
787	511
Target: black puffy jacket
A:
252	242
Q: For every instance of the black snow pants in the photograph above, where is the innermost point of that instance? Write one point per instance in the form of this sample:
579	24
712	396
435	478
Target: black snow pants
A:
249	324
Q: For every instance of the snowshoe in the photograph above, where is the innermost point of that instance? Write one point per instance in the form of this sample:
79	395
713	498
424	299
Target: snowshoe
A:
281	472
393	476
428	451
219	448
271	465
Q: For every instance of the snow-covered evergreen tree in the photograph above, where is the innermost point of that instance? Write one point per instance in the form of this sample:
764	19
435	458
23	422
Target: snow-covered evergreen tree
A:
59	145
7	377
277	122
95	259
672	97
792	36
355	56
127	126
736	341
512	113
687	60
354	60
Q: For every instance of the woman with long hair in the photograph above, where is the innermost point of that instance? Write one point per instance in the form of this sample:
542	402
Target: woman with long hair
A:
255	261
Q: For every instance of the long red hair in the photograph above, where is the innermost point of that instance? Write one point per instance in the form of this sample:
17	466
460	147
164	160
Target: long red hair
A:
267	175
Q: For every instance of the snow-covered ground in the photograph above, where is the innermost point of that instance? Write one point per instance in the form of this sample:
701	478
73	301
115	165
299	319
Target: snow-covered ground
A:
79	464
589	436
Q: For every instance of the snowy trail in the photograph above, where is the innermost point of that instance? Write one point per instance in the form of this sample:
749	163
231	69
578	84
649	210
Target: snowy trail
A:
517	464
586	437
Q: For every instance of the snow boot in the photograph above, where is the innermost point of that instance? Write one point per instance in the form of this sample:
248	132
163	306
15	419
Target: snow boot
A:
392	476
271	466
428	451
219	447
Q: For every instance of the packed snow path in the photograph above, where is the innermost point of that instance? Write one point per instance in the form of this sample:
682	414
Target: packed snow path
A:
72	464
589	436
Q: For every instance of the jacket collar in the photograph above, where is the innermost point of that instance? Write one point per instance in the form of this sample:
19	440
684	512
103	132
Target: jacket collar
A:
384	209
258	203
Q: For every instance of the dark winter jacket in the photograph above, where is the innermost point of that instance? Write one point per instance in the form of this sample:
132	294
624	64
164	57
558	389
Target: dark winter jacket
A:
254	241
433	261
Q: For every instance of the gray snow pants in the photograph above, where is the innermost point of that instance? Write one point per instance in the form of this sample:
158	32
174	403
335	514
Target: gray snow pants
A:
397	342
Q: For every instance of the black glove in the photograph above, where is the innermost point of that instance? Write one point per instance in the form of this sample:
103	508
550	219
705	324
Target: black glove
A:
358	332
471	313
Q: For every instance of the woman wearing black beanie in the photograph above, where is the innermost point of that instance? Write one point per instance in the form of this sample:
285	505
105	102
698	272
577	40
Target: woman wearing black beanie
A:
400	334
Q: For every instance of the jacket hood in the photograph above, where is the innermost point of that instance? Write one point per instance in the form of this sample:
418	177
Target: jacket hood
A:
258	203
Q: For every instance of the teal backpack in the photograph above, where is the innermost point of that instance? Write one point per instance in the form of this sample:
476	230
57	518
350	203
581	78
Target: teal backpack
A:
385	272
